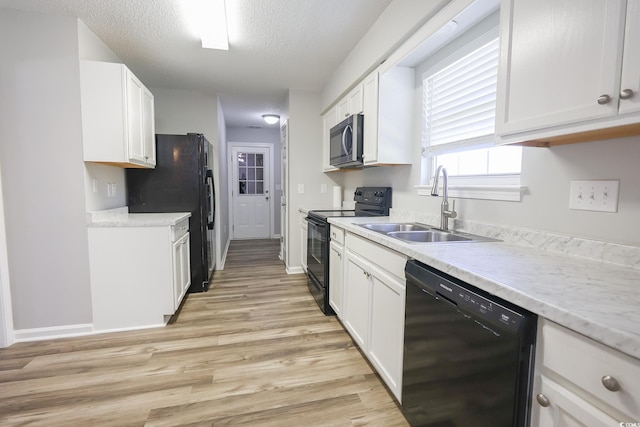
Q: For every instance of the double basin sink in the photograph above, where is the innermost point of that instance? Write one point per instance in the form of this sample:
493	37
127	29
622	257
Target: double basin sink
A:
421	233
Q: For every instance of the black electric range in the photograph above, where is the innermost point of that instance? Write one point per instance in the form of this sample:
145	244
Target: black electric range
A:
370	201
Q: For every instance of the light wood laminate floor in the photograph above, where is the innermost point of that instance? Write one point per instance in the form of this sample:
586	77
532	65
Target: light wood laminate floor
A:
255	350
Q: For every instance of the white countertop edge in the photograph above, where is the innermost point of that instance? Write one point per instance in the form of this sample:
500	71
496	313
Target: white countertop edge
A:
120	217
596	299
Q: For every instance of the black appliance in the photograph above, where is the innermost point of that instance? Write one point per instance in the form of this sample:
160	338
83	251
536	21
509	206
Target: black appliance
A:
346	142
468	355
370	201
180	182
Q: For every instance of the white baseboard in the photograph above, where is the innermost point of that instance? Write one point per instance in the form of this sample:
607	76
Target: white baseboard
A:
295	270
66	331
223	258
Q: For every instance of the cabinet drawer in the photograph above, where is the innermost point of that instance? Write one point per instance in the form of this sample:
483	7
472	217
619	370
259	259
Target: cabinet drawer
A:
180	229
385	258
337	235
585	362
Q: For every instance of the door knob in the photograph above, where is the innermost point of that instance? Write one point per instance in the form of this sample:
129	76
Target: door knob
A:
604	99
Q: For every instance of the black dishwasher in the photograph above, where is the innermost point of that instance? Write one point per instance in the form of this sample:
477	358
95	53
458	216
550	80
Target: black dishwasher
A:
468	355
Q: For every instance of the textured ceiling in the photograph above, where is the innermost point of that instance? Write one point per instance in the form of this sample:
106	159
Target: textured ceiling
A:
274	45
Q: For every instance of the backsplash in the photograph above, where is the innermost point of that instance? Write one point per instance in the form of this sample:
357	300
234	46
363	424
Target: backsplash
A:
628	256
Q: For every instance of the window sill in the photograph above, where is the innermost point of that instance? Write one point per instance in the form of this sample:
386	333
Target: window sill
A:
510	193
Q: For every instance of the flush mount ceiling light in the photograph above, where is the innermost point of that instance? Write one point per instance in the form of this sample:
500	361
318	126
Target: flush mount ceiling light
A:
271	118
208	20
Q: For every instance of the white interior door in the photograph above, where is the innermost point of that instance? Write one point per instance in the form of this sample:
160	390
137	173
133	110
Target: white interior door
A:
251	199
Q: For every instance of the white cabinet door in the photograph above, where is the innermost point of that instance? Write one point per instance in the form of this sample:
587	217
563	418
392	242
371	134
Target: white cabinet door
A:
185	263
303	241
336	254
557	60
387	328
329	120
370	107
148	127
181	269
355	100
630	80
565	409
357	295
134	90
343	109
389	107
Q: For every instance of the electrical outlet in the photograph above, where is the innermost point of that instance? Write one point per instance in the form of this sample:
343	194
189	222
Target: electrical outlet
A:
300	188
594	195
323	188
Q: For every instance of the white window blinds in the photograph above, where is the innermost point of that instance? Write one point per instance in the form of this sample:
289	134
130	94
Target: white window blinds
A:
459	103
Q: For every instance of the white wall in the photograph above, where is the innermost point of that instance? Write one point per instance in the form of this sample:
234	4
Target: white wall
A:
395	24
305	164
222	212
42	170
270	135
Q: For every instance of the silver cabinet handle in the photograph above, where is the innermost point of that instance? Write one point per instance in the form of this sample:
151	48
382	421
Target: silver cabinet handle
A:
626	94
543	400
604	99
610	383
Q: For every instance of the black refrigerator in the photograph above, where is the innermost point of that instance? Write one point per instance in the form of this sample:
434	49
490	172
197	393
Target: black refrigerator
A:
182	181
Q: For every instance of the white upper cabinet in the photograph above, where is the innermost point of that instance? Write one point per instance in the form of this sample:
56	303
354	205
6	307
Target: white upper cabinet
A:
630	80
350	104
329	120
567	67
118	125
388	116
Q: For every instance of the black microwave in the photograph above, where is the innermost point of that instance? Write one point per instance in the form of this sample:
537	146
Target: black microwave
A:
345	142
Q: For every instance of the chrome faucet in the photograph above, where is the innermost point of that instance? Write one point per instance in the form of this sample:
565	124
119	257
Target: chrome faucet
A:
445	213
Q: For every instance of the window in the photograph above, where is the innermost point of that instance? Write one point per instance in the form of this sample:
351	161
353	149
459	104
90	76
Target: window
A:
250	173
459	102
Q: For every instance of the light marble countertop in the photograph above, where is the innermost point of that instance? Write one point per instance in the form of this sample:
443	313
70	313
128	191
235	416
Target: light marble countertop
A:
598	299
120	217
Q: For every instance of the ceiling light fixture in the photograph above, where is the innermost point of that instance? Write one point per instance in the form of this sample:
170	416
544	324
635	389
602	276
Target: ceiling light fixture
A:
208	19
271	118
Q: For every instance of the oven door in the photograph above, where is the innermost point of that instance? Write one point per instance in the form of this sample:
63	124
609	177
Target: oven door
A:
317	262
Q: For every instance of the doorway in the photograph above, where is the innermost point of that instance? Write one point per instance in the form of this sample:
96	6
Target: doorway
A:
251	189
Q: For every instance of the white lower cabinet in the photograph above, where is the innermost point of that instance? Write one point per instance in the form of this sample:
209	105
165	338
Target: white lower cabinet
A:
373	309
580	382
304	226
566	409
139	275
336	270
357	295
181	269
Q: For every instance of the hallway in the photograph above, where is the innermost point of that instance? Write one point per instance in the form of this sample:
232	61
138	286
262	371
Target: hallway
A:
254	350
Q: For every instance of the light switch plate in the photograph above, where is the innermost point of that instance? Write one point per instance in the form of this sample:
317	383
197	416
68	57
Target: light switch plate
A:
594	195
300	188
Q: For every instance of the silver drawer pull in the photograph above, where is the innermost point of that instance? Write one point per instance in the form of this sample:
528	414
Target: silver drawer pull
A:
543	400
610	383
604	99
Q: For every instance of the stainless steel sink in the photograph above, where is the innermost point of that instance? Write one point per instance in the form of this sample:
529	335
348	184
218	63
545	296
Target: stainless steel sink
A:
428	236
397	226
420	233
